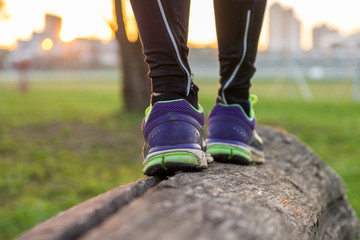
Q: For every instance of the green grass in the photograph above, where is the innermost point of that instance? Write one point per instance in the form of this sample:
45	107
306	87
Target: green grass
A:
65	142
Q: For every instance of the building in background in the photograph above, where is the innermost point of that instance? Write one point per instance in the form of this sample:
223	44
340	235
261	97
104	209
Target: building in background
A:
323	38
328	43
34	48
45	50
284	31
347	47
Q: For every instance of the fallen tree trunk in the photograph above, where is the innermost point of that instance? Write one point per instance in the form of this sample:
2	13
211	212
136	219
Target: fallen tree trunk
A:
294	195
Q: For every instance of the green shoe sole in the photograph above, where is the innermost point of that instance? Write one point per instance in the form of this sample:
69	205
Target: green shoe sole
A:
169	163
230	154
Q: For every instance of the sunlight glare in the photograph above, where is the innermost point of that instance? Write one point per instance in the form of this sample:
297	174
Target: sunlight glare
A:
202	24
47	44
130	22
90	18
65	37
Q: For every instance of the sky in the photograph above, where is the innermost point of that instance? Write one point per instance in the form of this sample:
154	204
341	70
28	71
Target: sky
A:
87	18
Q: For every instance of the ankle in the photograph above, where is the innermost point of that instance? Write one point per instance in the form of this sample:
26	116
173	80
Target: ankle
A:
246	107
168	96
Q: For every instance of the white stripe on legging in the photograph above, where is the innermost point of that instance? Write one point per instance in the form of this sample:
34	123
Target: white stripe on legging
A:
242	58
175	46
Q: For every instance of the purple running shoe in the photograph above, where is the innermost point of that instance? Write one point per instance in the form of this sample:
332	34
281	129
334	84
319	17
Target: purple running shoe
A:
174	138
231	135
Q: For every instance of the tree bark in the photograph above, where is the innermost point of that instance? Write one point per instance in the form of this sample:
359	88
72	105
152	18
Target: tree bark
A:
136	84
293	195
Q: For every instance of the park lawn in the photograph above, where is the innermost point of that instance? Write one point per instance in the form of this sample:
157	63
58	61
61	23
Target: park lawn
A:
65	142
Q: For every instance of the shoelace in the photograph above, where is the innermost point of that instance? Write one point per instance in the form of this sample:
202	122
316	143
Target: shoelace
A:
253	98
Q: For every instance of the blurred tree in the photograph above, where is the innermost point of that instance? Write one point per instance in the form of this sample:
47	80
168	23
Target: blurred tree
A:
136	84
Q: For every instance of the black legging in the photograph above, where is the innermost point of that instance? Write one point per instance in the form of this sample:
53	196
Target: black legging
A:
163	27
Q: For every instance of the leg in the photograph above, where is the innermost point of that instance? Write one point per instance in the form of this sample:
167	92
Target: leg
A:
174	123
231	132
238	25
163	27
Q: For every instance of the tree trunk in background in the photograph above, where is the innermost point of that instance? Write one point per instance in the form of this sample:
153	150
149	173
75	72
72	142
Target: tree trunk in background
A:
136	84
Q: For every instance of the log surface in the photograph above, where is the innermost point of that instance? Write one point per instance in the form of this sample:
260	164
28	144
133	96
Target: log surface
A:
294	195
79	219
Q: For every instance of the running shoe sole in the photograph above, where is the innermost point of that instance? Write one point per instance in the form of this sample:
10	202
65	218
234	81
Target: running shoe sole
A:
234	153
170	161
